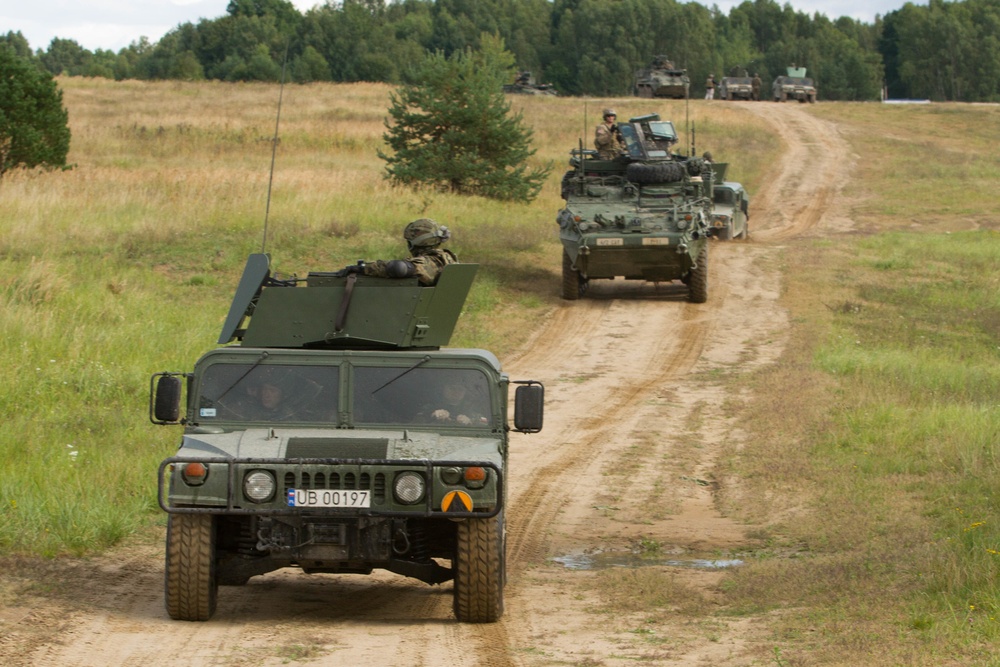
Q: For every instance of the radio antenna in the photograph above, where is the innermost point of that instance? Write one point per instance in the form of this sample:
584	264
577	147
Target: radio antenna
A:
274	149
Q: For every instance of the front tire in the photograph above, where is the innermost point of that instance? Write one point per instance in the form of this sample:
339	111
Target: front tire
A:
191	585
571	282
698	278
479	570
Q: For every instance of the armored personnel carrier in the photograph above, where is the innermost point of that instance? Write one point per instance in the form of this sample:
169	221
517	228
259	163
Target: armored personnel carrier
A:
795	86
662	79
737	86
645	215
525	84
331	432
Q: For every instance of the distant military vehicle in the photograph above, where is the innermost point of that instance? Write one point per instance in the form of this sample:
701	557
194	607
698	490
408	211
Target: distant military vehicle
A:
338	436
645	215
730	209
525	84
737	86
662	79
794	86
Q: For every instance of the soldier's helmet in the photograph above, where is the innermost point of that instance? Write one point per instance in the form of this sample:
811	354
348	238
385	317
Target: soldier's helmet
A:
610	112
425	233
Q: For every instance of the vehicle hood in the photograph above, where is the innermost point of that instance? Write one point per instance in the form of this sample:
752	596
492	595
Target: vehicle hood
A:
280	443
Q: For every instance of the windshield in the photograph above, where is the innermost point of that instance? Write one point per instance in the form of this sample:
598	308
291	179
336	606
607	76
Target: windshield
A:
724	196
269	393
407	395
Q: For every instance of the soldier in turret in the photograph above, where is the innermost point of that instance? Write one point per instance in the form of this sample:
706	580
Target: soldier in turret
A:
423	237
607	138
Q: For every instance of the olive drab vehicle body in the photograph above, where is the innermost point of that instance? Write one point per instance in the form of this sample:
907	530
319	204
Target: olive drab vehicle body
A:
737	86
645	215
794	86
662	79
525	84
315	438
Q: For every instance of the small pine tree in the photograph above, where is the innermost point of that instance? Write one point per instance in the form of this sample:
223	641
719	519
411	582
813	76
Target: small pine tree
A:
452	128
34	125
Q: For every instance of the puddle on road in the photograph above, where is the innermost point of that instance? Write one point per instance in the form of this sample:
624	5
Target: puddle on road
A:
606	559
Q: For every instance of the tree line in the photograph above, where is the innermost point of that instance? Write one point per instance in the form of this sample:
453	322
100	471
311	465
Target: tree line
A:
940	51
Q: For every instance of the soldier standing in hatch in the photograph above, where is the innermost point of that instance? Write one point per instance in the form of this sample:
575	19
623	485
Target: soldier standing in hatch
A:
710	87
755	87
423	238
607	138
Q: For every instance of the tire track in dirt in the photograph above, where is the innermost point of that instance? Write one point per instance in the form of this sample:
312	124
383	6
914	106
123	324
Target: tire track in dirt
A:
811	173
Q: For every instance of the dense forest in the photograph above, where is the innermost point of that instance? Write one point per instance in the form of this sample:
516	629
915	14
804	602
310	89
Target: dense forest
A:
941	51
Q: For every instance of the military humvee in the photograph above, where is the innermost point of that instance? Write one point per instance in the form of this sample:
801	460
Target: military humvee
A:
338	436
662	79
736	86
794	86
730	211
645	215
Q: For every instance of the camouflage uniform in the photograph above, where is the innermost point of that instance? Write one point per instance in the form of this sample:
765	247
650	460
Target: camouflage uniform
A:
427	265
755	86
607	140
426	259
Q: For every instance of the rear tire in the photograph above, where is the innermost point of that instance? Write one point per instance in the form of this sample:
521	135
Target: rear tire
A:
190	583
479	570
698	278
571	283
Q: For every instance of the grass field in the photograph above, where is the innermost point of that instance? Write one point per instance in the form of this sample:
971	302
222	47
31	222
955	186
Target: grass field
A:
881	420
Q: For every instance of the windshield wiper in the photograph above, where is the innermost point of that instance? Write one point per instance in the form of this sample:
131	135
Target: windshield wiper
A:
422	361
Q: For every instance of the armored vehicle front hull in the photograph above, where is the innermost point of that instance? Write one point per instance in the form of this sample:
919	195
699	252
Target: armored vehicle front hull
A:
642	216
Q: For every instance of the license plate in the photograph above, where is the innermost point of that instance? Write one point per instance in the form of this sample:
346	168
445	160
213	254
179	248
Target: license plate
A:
656	241
610	242
328	498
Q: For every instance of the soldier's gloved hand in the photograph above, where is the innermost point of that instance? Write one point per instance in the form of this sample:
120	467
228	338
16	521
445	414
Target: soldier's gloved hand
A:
441	415
399	268
352	268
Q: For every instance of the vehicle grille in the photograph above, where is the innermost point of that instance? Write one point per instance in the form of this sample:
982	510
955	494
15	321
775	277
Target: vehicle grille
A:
338	481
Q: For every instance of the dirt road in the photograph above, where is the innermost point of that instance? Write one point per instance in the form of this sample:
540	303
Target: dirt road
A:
636	414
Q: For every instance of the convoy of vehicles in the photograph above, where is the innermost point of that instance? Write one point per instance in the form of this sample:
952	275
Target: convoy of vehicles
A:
644	215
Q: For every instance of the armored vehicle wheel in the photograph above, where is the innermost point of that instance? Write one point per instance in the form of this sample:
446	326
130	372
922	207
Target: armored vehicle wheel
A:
572	284
190	583
657	172
479	570
698	279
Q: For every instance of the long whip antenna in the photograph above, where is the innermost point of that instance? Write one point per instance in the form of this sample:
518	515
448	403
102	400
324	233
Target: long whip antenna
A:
274	149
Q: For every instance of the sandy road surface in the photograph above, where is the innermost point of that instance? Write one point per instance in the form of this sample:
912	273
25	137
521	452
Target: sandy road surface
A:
635	417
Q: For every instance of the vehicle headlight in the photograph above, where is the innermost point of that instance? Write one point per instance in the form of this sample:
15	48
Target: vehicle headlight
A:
259	486
409	488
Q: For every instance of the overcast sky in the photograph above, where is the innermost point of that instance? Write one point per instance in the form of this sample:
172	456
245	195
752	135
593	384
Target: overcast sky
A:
114	24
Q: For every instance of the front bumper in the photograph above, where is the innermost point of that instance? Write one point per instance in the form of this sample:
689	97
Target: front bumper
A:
222	492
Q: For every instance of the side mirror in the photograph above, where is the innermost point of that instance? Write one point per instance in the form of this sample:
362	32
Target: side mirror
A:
529	407
165	402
